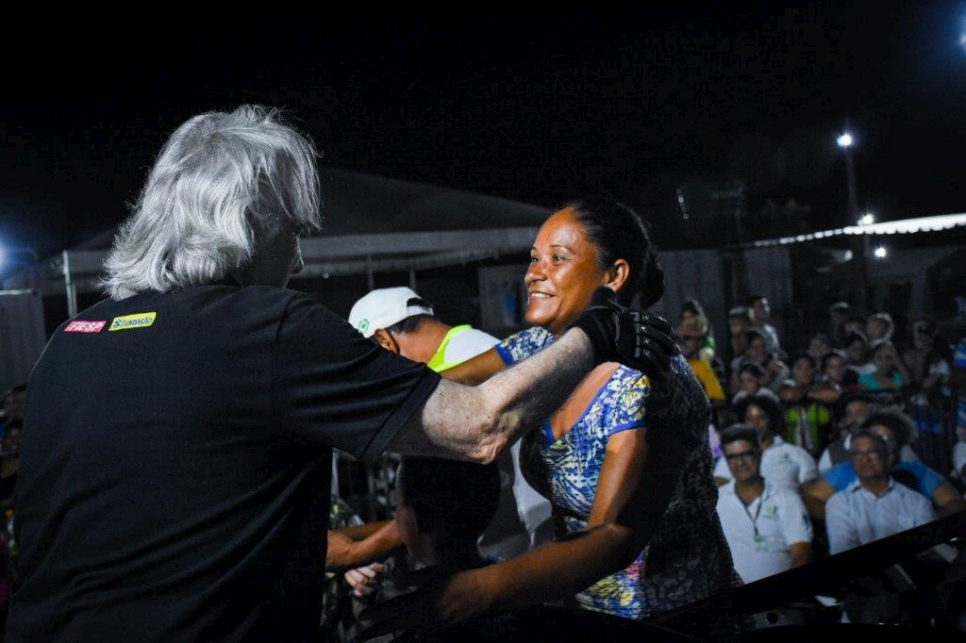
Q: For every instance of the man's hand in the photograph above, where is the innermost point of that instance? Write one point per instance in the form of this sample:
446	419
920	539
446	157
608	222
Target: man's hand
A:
636	338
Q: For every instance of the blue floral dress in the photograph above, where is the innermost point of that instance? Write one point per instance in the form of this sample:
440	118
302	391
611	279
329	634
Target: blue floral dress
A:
688	558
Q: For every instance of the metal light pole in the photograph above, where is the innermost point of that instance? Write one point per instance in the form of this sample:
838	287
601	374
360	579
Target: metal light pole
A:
845	141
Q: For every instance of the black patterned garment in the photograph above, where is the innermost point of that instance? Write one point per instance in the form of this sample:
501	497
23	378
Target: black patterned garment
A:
688	558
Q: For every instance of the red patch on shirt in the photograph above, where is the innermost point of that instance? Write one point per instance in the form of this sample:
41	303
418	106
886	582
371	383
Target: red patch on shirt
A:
80	326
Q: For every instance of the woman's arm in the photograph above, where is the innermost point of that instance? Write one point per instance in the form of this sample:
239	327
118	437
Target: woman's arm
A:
476	369
635	485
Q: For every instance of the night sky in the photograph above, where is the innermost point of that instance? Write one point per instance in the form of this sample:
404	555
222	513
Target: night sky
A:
632	102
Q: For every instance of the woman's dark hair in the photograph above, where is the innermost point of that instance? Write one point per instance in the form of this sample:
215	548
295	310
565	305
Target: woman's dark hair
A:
620	233
747	366
832	354
801	356
856	336
881	346
771	407
755	333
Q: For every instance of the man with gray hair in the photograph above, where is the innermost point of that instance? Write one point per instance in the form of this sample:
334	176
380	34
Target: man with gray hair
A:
175	469
875	505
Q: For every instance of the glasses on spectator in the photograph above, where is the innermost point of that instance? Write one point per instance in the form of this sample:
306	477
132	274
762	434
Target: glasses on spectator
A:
743	455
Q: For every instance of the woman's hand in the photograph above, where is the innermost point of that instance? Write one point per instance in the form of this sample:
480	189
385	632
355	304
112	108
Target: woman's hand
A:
441	598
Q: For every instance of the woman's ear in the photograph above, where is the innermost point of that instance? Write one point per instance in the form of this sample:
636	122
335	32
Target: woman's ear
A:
617	274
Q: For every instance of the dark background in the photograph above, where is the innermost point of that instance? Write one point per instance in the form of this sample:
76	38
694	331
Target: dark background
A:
635	102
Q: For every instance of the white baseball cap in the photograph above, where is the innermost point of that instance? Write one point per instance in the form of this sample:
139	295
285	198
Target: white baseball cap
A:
383	307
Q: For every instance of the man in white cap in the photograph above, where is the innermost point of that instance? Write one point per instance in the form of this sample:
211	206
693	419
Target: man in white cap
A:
401	321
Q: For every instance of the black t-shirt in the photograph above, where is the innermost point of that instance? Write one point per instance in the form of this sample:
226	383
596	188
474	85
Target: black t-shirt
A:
174	479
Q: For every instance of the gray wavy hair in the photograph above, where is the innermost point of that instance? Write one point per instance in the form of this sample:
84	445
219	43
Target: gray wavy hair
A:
217	174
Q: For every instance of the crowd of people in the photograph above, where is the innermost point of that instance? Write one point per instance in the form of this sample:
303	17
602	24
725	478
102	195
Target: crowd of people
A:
173	482
793	486
809	398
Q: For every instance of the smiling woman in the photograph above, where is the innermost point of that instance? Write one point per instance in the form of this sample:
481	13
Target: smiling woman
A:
625	461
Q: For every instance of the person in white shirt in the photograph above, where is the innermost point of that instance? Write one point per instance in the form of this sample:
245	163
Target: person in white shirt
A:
875	506
767	527
782	463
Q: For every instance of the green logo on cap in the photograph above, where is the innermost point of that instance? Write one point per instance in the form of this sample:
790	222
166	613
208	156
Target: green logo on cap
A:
363	325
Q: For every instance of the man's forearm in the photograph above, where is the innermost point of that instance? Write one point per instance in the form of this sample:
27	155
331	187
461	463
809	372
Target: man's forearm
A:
478	422
344	551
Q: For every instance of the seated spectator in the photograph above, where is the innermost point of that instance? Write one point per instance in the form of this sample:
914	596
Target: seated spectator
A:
835	372
751	381
957	383
958	476
838	314
782	464
895	428
819	345
692	309
807	416
776	371
739	323
879	328
760	309
850	412
854	323
766	525
888	376
874	505
690	335
857	354
929	399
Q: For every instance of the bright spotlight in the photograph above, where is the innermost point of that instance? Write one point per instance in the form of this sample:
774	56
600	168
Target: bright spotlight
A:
845	140
881	253
867	219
